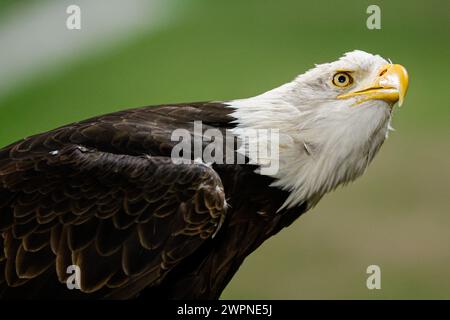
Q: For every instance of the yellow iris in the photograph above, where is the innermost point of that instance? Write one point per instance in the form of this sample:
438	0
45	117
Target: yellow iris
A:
342	79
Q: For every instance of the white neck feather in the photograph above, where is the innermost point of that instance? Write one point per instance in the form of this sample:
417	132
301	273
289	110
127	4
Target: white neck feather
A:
322	144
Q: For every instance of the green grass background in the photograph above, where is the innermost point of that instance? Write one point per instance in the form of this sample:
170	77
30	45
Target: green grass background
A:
397	216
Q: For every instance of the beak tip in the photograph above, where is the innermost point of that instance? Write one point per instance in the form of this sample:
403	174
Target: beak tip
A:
401	100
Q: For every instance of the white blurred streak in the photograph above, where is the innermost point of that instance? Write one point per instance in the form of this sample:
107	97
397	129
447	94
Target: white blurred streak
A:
34	37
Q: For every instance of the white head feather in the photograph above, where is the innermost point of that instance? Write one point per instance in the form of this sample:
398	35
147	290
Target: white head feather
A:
324	141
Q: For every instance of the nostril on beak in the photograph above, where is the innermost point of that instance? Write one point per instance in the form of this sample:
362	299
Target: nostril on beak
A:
383	71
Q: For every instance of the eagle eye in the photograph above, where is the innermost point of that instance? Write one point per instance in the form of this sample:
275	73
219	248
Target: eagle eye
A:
342	79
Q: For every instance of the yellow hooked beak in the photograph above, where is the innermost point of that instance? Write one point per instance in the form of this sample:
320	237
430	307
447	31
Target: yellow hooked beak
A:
390	85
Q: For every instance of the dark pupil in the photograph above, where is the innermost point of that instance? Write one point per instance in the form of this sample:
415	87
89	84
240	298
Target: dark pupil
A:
342	79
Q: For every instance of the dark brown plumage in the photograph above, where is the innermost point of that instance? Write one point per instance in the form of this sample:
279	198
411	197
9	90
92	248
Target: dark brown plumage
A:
104	194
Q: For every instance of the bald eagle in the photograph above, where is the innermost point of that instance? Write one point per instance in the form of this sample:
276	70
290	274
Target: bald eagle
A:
104	196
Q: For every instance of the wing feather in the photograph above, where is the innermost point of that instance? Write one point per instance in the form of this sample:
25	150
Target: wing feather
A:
104	194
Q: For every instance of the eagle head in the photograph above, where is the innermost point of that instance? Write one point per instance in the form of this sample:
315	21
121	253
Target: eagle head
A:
332	120
356	78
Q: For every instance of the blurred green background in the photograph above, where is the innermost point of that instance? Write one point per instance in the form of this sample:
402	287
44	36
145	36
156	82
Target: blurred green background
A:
397	216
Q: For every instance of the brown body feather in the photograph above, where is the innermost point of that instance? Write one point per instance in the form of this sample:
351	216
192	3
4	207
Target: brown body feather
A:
103	194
